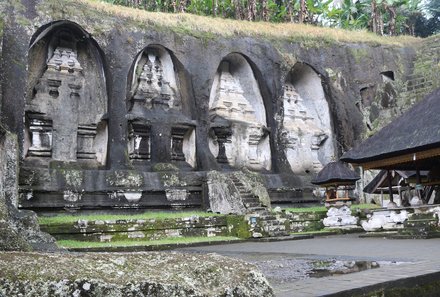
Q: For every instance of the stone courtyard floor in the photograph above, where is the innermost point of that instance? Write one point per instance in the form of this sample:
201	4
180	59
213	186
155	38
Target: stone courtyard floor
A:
290	265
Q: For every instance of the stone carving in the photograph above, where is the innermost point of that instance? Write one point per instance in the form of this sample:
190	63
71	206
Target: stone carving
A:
139	141
222	136
230	102
302	134
154	87
64	104
156	100
239	138
41	136
176	194
177	139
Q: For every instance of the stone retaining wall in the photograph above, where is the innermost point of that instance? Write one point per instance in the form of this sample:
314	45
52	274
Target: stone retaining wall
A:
149	229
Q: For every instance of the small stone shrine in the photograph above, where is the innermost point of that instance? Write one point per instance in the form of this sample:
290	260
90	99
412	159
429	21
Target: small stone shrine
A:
338	180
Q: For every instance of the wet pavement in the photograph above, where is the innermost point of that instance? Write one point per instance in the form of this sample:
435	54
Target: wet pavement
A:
335	264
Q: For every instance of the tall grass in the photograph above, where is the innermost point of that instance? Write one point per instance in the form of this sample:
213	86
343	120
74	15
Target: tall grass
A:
228	27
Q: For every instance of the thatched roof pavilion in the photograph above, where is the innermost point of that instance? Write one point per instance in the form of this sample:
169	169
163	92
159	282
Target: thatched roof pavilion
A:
333	175
410	142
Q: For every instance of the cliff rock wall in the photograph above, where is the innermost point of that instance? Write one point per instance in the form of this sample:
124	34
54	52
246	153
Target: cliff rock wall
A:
116	110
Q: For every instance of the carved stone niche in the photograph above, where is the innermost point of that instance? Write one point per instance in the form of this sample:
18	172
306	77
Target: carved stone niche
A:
177	136
155	98
243	138
183	146
69	99
306	133
40	133
139	141
156	85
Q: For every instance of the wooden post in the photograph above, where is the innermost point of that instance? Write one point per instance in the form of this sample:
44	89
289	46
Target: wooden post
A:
419	183
390	185
362	197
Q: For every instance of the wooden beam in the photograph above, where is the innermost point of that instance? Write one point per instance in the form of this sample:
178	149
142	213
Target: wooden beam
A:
406	158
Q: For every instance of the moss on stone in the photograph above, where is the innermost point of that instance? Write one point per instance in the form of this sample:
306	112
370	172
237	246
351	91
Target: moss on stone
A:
165	167
360	54
253	182
238	226
125	178
11	239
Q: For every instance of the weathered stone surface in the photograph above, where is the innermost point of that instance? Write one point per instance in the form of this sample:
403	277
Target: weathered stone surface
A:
223	195
136	274
306	127
19	230
363	85
144	229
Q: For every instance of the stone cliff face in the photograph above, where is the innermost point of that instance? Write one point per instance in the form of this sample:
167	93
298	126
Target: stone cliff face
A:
115	111
19	228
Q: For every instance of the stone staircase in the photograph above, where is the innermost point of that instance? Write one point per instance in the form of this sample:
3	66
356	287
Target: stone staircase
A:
424	77
263	222
250	201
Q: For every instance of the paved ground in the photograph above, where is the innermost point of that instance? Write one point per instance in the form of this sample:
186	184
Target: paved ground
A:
399	260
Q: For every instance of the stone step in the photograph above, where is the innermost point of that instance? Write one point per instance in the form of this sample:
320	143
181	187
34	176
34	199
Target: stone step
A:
268	217
251	204
250	199
257	209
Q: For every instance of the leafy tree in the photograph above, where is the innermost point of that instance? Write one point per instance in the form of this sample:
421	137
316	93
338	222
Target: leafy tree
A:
425	26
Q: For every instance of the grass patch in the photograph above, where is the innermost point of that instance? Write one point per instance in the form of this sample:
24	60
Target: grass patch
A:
184	22
306	209
63	219
123	243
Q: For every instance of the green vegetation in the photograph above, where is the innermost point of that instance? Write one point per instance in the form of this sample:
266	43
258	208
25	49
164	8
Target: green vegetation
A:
124	243
238	226
306	209
383	17
63	219
197	26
